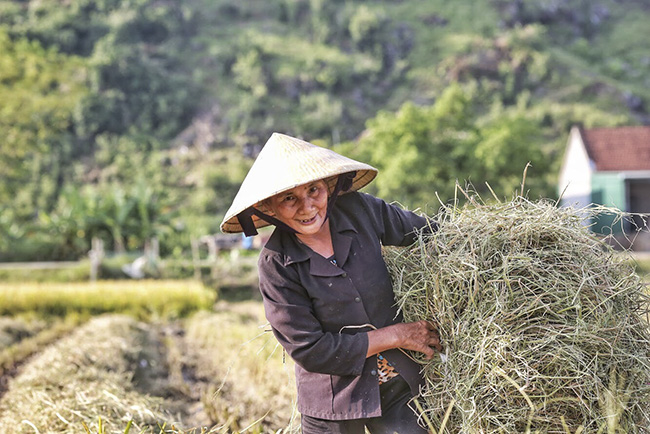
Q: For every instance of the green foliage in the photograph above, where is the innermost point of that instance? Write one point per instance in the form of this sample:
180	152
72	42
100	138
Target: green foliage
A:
249	73
131	88
38	89
566	18
322	113
218	180
71	29
33	242
135	86
424	151
365	24
176	97
509	141
120	214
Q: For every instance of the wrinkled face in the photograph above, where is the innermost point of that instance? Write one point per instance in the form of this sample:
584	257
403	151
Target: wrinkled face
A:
303	208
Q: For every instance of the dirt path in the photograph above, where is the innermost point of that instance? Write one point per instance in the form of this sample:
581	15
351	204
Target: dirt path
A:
4	380
164	371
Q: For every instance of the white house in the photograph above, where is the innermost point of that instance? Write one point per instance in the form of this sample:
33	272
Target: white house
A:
608	166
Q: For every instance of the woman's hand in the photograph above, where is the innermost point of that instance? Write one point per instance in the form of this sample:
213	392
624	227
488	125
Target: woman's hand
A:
420	336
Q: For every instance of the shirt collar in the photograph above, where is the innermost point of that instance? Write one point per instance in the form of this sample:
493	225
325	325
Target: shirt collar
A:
295	251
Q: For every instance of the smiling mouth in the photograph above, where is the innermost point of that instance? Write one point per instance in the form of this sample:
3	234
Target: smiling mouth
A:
307	221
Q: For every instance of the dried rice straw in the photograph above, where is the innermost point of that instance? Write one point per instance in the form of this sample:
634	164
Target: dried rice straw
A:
542	322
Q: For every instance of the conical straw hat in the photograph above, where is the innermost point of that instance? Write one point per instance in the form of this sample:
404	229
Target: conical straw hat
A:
284	163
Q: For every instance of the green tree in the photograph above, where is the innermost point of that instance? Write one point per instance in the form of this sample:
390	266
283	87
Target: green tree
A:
39	89
507	144
249	73
125	216
421	152
365	25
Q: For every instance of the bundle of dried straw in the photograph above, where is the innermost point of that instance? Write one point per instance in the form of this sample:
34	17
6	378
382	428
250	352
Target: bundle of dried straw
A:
544	326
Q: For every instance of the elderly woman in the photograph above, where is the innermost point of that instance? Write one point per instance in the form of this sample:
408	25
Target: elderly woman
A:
326	290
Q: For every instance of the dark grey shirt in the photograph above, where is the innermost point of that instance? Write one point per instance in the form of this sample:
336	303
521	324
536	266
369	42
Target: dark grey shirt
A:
313	306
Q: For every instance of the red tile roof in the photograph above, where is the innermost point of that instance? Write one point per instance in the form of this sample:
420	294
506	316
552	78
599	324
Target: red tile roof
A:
618	149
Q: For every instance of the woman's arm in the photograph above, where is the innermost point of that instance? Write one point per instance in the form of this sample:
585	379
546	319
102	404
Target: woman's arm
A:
395	226
419	336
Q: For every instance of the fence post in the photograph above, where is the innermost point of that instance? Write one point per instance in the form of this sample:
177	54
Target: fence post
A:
196	258
96	255
152	255
213	255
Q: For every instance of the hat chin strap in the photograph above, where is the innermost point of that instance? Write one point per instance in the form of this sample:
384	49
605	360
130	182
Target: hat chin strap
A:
343	184
245	218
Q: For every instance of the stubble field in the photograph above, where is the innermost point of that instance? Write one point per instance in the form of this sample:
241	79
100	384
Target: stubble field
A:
138	357
142	357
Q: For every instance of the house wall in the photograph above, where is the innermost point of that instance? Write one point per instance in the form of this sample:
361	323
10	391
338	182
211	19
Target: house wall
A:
608	189
575	175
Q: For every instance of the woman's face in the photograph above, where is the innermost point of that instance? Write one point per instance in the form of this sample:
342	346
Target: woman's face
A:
303	208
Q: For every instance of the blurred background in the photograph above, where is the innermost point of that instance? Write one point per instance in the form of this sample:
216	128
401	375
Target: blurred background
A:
129	120
126	126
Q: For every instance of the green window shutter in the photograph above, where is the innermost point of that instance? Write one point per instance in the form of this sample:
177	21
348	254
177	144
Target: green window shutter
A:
608	189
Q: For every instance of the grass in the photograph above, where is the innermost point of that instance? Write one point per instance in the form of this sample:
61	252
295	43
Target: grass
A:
143	299
71	272
13	330
62	272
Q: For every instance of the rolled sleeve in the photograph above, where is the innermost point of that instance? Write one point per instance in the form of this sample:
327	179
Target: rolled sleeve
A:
289	311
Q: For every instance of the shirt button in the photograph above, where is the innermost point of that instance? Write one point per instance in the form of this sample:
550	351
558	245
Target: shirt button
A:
373	372
344	275
357	299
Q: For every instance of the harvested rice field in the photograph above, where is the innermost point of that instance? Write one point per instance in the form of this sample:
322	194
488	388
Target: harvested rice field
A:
545	330
214	369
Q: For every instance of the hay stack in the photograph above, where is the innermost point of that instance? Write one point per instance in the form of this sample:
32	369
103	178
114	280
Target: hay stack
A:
543	324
